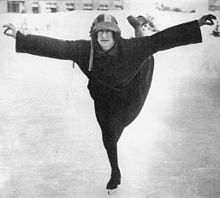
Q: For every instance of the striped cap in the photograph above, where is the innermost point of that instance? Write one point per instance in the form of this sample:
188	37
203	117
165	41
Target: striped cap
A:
105	22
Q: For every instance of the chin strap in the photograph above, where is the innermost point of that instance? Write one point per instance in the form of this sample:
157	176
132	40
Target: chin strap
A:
91	58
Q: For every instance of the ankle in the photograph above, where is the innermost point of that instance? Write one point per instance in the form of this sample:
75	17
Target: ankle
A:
139	32
116	172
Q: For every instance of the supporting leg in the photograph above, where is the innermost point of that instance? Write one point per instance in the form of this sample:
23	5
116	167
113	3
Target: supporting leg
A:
110	139
112	128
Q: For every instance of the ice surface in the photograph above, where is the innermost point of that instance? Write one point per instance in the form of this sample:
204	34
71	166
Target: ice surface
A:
50	142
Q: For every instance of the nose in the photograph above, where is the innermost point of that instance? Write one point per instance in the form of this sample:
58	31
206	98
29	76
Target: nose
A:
104	34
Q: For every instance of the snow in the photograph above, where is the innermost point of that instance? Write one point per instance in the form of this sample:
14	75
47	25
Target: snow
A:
50	142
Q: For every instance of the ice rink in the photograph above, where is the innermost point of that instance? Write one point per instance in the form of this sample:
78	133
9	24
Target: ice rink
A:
50	142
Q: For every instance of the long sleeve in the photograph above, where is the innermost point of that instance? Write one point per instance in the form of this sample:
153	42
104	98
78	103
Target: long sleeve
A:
53	48
179	35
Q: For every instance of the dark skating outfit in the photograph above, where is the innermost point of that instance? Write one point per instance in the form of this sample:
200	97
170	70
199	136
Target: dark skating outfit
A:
119	79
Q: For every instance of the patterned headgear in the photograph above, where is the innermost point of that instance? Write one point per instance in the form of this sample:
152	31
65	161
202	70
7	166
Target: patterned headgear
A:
105	22
102	22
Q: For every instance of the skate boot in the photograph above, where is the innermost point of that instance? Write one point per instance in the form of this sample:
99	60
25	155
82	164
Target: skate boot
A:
143	26
114	181
137	23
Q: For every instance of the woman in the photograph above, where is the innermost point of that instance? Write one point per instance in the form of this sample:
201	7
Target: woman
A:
118	69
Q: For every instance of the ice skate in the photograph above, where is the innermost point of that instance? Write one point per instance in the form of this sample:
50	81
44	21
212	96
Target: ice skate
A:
114	182
136	23
143	26
113	190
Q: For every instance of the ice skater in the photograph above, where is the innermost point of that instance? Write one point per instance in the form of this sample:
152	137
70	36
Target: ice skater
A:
119	70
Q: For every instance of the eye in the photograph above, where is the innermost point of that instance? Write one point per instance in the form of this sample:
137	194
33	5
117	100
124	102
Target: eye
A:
100	32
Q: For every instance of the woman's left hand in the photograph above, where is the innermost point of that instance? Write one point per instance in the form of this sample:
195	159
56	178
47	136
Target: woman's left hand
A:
207	20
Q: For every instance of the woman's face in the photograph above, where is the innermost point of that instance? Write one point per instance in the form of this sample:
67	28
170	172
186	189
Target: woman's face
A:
105	39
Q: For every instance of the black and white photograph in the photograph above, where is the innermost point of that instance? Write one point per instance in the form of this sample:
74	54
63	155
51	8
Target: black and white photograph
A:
110	98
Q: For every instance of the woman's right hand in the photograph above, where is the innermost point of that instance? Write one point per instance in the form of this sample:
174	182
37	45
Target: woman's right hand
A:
10	30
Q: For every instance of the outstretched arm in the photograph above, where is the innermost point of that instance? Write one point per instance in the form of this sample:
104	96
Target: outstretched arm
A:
179	35
48	47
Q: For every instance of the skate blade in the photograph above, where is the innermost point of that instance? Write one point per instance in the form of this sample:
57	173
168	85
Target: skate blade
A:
112	191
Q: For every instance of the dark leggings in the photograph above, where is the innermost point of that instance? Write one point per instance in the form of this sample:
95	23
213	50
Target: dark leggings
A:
111	131
116	110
